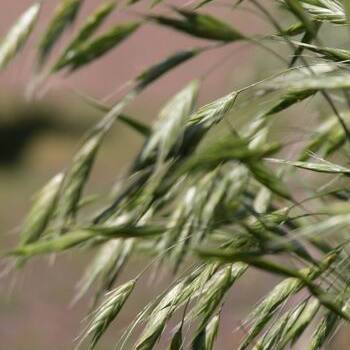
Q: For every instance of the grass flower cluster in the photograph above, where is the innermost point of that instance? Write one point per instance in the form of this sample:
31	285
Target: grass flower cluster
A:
205	198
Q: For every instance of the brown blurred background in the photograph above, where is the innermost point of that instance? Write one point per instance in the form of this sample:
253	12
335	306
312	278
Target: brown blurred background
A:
38	139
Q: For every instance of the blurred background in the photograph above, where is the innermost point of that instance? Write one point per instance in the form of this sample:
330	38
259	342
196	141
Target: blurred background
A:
38	138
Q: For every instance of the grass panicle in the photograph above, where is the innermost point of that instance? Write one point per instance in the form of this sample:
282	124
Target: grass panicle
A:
213	190
89	27
64	15
107	312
